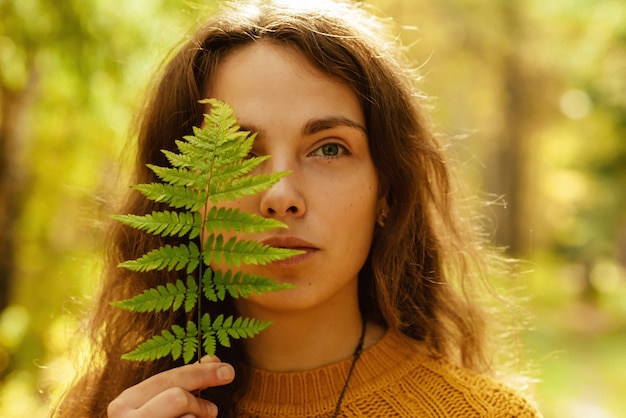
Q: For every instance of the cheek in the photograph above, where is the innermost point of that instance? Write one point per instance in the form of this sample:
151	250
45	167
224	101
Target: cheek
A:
361	198
352	237
353	210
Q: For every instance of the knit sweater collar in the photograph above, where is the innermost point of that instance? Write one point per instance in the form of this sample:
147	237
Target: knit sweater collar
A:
317	390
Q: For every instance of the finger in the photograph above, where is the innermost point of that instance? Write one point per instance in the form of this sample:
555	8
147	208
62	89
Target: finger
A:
176	402
210	359
188	378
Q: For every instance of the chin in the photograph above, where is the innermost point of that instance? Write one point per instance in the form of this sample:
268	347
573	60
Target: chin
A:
289	301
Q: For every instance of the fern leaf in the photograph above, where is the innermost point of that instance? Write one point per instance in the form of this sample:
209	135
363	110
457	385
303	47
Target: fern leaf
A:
190	342
223	138
238	168
191	294
223	338
177	347
167	257
156	347
221	119
233	150
162	298
228	219
208	288
165	223
242	284
174	342
179	160
196	158
235	251
202	144
178	176
246	186
217	322
175	196
209	342
223	329
211	166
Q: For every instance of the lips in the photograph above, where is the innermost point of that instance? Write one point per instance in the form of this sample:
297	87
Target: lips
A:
292	243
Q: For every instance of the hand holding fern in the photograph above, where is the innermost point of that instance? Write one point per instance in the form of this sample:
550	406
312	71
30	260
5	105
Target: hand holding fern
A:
170	394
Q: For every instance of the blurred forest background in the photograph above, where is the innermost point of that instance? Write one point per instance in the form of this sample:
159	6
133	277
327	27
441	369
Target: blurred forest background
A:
533	91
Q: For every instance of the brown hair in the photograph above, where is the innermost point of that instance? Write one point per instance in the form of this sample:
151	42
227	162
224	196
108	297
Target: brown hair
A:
422	264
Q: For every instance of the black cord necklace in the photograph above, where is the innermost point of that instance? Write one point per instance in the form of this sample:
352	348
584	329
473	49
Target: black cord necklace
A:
355	358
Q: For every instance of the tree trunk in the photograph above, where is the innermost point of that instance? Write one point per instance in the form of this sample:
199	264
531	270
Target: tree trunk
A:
14	174
511	152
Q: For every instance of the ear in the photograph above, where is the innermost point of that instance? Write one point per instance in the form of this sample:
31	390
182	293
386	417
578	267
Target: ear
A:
382	205
383	192
382	211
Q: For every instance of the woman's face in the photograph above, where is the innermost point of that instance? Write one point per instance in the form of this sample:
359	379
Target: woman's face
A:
312	125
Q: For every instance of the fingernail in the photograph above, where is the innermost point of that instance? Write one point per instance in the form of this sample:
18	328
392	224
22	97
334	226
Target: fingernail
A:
209	359
226	372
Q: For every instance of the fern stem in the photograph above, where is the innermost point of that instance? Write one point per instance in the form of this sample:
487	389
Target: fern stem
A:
199	282
205	216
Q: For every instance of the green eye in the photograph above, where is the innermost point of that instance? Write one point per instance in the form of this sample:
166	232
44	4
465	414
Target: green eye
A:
330	150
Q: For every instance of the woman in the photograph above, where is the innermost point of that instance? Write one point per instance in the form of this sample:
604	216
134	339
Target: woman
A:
383	320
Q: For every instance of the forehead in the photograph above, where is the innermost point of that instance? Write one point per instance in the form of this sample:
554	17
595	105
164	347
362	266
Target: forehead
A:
281	57
274	80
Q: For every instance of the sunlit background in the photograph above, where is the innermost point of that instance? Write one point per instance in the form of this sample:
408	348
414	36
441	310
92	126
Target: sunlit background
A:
532	91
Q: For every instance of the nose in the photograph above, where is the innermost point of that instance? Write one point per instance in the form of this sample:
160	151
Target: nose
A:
283	199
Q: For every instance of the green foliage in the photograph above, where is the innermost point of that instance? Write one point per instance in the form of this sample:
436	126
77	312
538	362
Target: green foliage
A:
213	166
184	342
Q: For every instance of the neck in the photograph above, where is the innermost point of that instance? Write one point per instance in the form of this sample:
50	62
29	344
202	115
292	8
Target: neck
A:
304	339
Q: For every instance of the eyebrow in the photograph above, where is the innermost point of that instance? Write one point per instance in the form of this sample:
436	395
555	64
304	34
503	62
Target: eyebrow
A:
313	126
317	125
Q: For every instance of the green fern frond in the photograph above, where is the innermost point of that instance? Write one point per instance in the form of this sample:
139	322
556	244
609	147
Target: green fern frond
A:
208	288
221	119
228	219
243	284
178	176
190	342
224	329
179	160
219	137
235	252
167	257
165	223
175	196
211	166
202	143
216	285
161	298
232	151
196	159
238	188
226	172
157	347
174	342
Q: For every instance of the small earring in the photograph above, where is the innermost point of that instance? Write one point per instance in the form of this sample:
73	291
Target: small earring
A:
382	217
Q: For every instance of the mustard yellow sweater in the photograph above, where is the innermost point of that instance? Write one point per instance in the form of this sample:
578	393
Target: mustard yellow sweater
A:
391	379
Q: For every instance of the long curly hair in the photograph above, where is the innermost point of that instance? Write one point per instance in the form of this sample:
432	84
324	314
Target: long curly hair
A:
424	266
